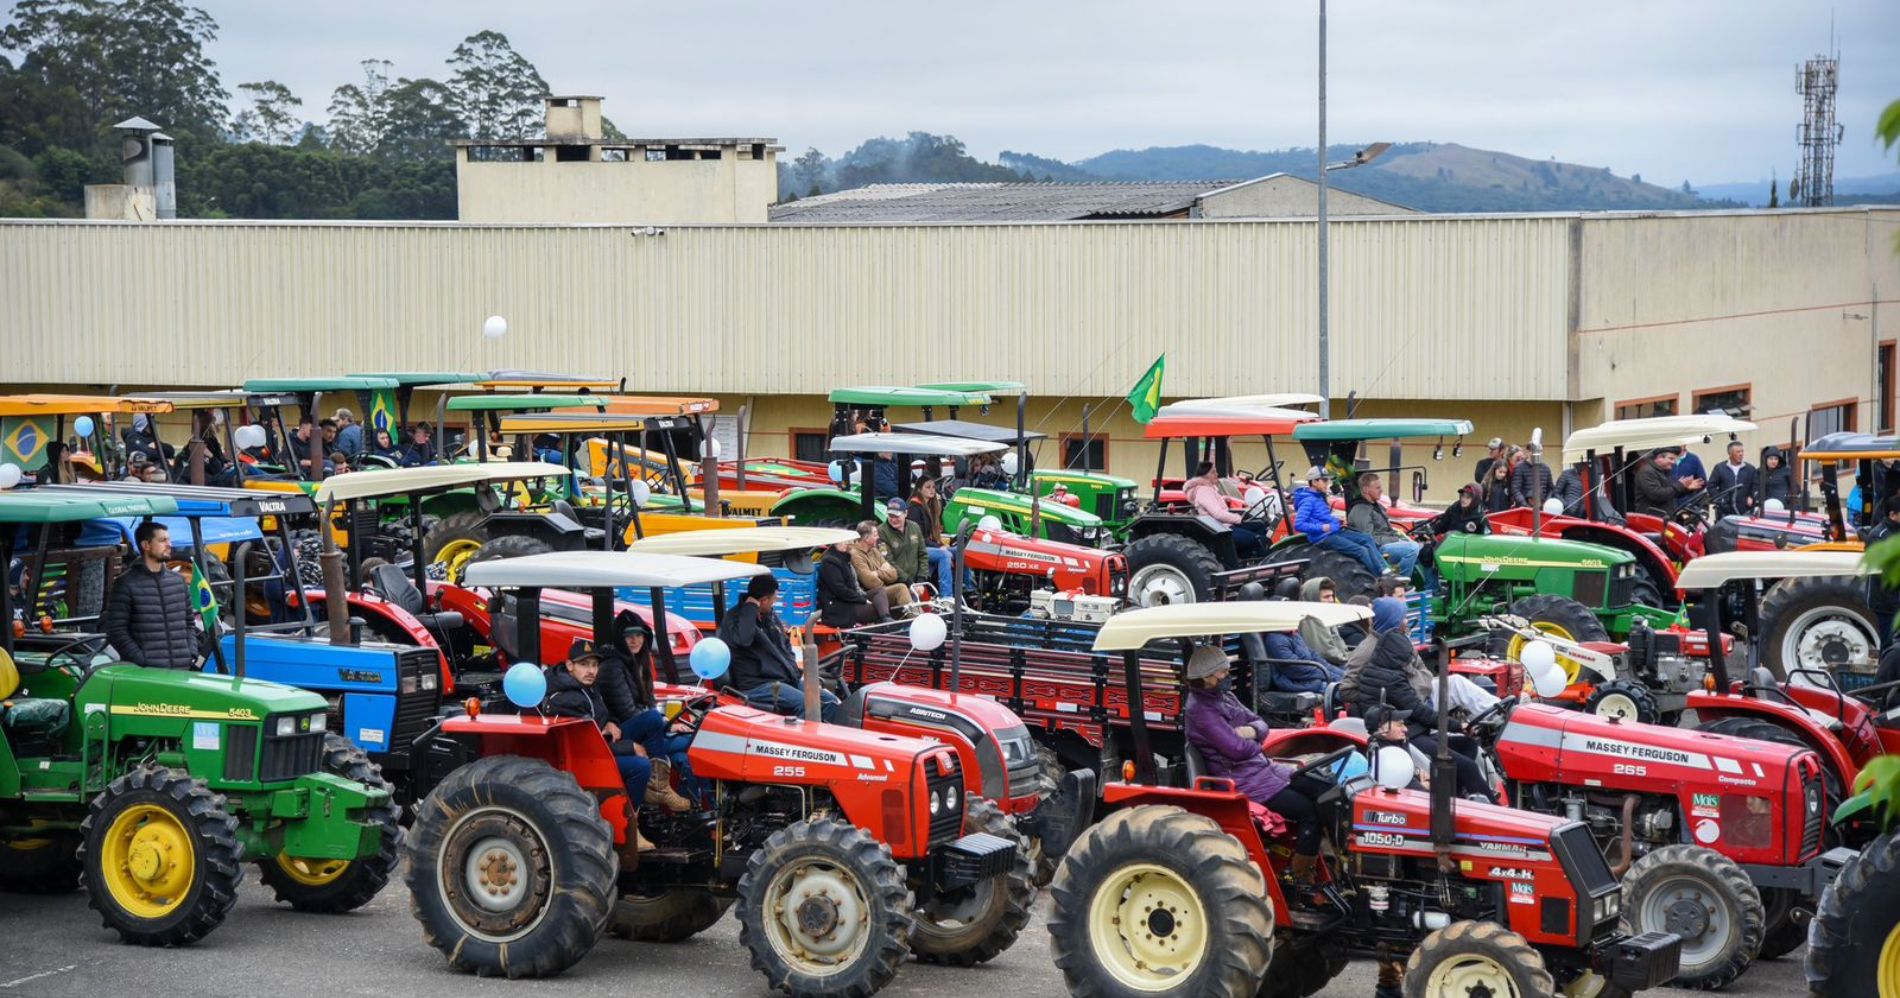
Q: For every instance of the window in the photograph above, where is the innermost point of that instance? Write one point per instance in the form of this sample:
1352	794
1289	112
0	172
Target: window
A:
809	445
1832	417
1736	400
1097	452
1883	388
1658	405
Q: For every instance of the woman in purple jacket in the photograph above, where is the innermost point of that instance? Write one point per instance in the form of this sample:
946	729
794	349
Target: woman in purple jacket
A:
1228	736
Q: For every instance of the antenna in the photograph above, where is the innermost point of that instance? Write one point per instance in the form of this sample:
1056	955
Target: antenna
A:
1817	81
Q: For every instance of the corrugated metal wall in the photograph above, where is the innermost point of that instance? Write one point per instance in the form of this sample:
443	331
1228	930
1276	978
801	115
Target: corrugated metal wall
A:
1433	308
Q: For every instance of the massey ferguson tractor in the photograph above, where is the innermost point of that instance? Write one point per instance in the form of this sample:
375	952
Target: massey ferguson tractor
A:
1182	889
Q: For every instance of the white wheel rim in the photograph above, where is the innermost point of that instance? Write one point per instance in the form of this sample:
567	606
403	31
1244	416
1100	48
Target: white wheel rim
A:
1464	976
1688	907
1617	705
492	874
1148	927
1160	585
1824	637
816	917
468	881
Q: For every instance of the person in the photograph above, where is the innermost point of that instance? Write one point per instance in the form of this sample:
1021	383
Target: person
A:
420	449
1494	452
149	619
337	464
902	544
1658	488
1735	483
1569	491
1465	516
1355	632
874	571
573	692
1203	492
383	446
842	602
349	433
1385	669
1297	668
623	664
1777	479
1395	586
140	436
1688	465
1313	515
764	668
1229	737
1326	642
138	466
926	511
1367	515
1530	481
1497	488
986	472
884	476
1882	598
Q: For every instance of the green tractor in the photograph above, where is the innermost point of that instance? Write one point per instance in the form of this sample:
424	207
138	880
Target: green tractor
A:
1854	939
1111	498
154	787
1568	589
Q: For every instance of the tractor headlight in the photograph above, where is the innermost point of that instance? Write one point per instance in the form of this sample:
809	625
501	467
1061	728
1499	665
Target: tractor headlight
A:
409	684
950	798
936	803
319	722
1607	907
285	726
430	680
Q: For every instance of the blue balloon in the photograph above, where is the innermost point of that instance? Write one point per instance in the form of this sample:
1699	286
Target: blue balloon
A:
83	426
525	685
710	658
1352	766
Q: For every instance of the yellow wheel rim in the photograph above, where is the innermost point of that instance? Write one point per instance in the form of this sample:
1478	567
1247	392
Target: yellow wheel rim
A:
1889	973
1149	927
1469	975
148	861
455	556
1516	648
312	872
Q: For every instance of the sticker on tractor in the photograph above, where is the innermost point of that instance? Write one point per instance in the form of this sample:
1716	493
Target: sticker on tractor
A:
1380	839
1523	893
1510	873
1385	818
370	736
1707	830
1705	806
204	736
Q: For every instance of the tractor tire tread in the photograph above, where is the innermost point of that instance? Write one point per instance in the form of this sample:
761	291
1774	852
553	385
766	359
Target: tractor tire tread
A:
1490	939
214	837
890	907
1718	871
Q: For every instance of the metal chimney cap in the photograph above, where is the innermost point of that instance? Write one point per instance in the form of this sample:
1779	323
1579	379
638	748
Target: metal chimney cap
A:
136	125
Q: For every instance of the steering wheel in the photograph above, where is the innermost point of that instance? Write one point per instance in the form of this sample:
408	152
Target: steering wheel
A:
1483	718
1325	760
71	649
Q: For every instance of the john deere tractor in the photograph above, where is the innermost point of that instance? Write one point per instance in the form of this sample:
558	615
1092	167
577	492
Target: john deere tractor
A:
155	786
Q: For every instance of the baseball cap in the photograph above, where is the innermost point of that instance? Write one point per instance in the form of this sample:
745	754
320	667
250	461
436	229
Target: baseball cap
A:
1317	472
1379	715
1495	443
582	648
897	507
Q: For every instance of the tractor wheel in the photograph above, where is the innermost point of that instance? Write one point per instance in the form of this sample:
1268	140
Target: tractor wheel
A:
511	868
1160	901
1472	958
1818	623
510	546
454	540
1349	575
823	910
1625	699
672	917
1559	617
162	859
972	925
1702	896
309	567
1301	971
1052	770
1169	568
333	886
1647	592
1854	940
48	865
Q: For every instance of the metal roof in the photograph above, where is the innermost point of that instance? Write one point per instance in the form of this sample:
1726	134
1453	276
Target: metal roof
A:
721	543
1135	628
588	569
1713	570
999	202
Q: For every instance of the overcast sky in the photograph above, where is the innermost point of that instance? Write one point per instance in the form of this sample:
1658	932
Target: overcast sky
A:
1684	89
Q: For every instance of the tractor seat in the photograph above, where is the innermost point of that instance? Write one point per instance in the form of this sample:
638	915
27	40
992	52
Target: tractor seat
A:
1196	764
35	718
395	586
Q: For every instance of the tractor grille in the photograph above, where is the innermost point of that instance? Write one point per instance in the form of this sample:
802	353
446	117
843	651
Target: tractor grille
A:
1623	591
1814	804
1589	588
240	752
416	708
947	824
290	757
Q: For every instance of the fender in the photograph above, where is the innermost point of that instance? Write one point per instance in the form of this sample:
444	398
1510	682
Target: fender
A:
1216	799
1284	742
798	502
570	744
1710	707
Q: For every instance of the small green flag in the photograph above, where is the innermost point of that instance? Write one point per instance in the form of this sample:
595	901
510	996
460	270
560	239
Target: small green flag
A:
1145	398
203	600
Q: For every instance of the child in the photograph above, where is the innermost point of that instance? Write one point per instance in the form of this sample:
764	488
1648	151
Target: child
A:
572	693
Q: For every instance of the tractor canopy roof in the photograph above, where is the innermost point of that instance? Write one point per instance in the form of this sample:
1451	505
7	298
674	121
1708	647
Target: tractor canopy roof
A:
751	540
180	401
349	384
430	478
1851	447
883	396
650	406
1224	418
535	381
913	444
1135	628
77	405
422	379
214	529
1713	570
610	569
530	402
562	423
38	506
1651	433
1227	403
980	501
979	387
1381	429
970	431
197	500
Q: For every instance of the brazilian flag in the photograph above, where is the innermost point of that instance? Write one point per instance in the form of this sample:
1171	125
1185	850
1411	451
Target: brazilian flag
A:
1145	397
203	599
382	412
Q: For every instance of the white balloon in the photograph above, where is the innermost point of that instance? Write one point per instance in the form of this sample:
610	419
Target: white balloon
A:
989	523
1553	507
1392	768
709	448
639	492
1549	682
1009	464
248	436
927	632
1774	506
10	475
838	472
1537	656
1253	496
495	327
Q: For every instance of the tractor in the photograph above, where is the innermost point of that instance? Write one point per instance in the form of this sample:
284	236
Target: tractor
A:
842	850
154	787
1854	940
1181	889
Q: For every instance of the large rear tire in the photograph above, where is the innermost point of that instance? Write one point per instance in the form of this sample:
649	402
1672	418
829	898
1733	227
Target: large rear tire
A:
1854	940
1170	568
1052	771
1349	574
1702	896
1299	971
334	886
1557	616
675	916
511	868
454	540
1785	933
162	860
977	923
510	546
1821	622
1155	900
1470	958
824	911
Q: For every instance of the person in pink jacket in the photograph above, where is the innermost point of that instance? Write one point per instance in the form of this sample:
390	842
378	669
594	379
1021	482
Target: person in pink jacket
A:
1203	491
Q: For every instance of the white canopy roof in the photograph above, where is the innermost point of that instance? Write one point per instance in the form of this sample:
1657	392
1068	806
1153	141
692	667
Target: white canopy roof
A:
590	569
1136	628
1712	570
916	444
1651	433
1227	403
400	481
720	543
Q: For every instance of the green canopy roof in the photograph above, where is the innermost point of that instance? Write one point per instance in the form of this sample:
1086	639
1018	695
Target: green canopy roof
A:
889	395
1381	429
489	402
413	379
354	383
979	387
29	507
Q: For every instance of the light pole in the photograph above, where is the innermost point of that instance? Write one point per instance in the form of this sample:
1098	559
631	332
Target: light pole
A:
1361	158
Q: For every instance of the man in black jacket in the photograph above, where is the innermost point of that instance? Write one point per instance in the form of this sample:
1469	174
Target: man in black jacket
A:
765	670
1735	483
149	620
1657	487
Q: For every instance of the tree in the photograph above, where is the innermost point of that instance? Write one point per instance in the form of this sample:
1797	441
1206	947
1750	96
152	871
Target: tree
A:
1686	189
359	115
496	91
272	115
809	169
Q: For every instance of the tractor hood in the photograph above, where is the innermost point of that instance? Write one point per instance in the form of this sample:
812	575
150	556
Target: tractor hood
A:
754	746
1541	742
980	501
139	691
1516	551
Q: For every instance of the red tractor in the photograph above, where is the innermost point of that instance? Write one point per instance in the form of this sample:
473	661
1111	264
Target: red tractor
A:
843	850
1179	891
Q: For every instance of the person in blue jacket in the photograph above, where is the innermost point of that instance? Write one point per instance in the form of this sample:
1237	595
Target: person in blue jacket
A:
1297	668
1313	515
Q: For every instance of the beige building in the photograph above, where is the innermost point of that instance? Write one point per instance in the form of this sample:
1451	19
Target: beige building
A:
576	175
1513	321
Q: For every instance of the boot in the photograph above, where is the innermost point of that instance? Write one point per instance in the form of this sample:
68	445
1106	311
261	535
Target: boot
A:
631	849
1302	874
660	792
1391	979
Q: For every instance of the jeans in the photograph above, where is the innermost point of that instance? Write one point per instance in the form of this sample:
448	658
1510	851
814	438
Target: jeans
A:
784	698
1470	777
1357	545
635	771
940	569
1248	539
648	729
1404	555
